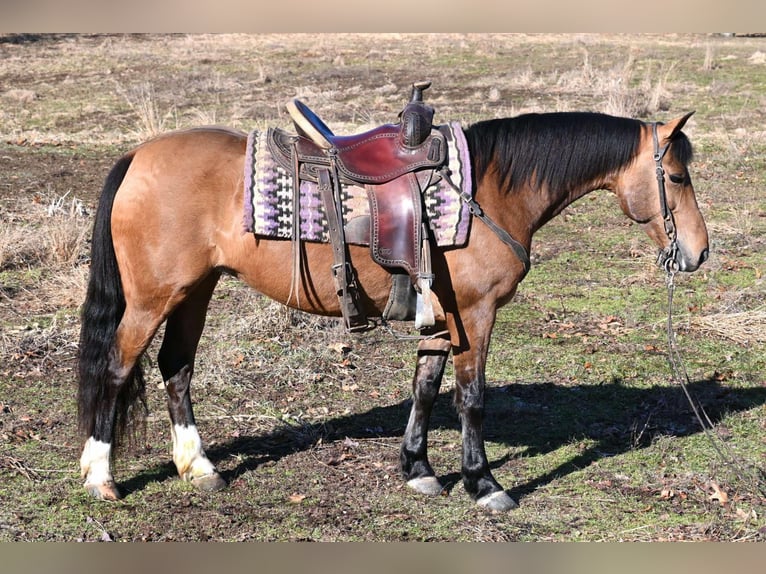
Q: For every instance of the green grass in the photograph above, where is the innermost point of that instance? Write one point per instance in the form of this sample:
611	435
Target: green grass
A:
584	423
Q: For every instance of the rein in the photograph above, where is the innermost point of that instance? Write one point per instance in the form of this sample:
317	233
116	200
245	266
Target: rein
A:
752	476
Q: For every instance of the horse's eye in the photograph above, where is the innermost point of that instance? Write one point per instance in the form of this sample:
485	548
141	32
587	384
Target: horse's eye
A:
677	178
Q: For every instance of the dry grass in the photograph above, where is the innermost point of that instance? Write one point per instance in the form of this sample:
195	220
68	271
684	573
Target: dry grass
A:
618	89
744	328
15	247
151	120
53	233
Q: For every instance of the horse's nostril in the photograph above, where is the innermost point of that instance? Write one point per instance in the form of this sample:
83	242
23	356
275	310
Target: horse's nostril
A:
704	255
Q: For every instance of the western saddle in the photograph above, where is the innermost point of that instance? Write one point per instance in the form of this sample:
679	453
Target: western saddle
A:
394	163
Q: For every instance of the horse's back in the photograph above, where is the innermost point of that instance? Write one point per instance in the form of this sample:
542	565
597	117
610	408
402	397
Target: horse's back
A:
193	148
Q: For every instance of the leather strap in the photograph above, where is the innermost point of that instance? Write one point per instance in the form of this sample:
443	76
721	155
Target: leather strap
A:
667	215
501	233
667	256
345	283
295	282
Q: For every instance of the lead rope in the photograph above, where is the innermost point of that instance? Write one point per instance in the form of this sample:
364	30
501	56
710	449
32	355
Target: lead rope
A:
751	476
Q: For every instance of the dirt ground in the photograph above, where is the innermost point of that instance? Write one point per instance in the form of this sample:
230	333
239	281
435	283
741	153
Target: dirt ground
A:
303	420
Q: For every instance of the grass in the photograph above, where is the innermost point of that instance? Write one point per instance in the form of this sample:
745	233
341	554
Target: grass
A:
584	424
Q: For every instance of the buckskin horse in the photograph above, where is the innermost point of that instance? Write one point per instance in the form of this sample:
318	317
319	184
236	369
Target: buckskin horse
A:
169	224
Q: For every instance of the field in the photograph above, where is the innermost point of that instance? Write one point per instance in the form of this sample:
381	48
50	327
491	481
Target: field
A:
585	426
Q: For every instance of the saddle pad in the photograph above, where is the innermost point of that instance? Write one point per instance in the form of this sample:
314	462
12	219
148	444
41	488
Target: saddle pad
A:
268	197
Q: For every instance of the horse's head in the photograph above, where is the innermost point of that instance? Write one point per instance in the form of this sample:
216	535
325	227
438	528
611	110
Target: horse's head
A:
656	191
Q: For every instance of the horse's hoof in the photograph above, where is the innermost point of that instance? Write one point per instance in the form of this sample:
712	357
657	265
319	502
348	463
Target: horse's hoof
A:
426	485
497	502
106	491
209	482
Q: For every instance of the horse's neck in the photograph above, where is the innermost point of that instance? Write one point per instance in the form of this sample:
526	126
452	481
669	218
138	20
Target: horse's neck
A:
544	205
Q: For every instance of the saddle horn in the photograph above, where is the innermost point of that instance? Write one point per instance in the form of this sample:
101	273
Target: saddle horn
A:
416	118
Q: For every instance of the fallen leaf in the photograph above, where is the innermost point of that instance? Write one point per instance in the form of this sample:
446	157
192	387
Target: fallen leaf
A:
341	348
348	443
718	493
336	460
747	515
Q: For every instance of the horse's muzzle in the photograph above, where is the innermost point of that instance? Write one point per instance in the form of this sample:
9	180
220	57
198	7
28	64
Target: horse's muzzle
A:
674	258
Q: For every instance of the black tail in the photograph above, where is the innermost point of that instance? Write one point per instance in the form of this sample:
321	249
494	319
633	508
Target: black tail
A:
101	313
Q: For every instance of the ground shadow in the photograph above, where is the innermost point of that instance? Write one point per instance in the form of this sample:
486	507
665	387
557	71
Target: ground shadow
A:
535	417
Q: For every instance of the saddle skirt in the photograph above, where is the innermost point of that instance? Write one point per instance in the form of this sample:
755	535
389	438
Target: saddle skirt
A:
268	198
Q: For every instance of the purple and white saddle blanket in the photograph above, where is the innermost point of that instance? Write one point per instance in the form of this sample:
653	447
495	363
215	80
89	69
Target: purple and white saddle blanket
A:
268	197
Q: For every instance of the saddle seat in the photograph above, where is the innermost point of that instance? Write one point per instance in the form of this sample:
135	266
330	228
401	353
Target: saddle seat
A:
380	154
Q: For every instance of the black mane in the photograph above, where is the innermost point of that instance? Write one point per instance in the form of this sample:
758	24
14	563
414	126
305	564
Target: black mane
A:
561	150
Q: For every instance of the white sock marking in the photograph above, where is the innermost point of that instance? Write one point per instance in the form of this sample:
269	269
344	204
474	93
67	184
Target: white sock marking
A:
94	462
188	454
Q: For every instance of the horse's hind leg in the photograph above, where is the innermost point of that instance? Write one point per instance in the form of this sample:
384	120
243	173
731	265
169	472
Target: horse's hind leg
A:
123	385
417	471
176	362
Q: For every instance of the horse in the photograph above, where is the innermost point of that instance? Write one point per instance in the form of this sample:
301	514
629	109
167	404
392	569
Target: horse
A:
169	224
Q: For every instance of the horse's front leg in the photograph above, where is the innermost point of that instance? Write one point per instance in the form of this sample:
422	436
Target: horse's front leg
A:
417	471
469	361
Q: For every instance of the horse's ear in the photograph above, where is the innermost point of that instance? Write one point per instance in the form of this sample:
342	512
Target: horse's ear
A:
668	131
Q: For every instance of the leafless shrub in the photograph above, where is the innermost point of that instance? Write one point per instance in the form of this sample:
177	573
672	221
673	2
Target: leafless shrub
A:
709	62
626	97
54	234
65	241
621	93
150	119
64	231
658	91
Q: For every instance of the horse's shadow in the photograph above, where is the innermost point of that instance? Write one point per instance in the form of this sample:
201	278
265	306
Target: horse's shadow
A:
531	418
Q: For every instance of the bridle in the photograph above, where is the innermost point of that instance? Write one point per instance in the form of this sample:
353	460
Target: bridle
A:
667	257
